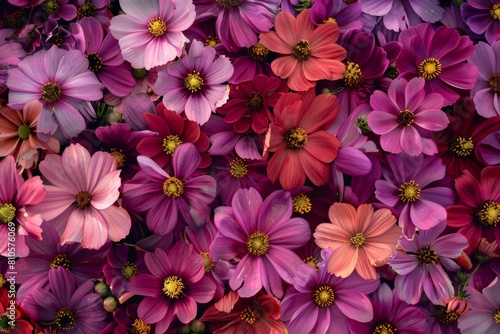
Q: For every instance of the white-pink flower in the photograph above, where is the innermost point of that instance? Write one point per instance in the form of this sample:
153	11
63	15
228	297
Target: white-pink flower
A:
81	195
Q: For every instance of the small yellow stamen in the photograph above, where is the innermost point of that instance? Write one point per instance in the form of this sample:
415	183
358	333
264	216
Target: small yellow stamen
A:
427	256
353	77
295	138
488	213
302	50
129	270
139	326
429	68
193	81
62	260
496	317
461	147
120	158
323	296
95	62
447	318
238	168
208	263
173	287
495	11
86	10
65	319
258	243
212	41
301	204
358	240
258	52
409	192
157	27
173	187
7	212
170	143
51	92
405	117
250	314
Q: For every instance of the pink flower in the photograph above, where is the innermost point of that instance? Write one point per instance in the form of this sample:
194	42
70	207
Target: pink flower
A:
81	197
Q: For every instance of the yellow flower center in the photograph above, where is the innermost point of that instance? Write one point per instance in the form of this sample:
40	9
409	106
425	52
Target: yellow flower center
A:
353	77
409	192
495	11
461	147
95	62
427	256
358	240
2	280
258	52
495	83
429	68
173	187
250	314
312	261
212	41
173	287
24	131
65	318
51	92
302	50
384	328
170	143
193	82
51	6
120	158
447	318
208	262
139	326
62	260
496	317
238	168
7	212
295	138
323	296
488	213
157	27
129	270
405	117
86	10
255	101
301	204
83	199
258	243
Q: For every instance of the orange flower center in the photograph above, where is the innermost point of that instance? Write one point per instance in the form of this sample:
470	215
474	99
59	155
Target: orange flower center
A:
51	92
228	4
323	296
258	243
193	81
86	10
409	192
461	147
405	117
427	256
238	168
495	11
429	68
95	62
139	326
173	287
250	314
129	270
83	199
301	204
258	52
384	328
488	213
353	77
295	138
447	318
62	260
302	50
157	27
495	83
65	318
170	143
173	187
120	158
255	101
7	212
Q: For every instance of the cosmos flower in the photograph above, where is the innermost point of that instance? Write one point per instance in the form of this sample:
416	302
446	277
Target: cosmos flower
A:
11	54
483	17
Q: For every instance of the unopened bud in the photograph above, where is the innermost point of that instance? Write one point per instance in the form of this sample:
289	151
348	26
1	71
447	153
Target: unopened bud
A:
110	304
102	289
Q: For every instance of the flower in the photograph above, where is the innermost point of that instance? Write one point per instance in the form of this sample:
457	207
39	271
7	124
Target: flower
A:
359	238
486	91
17	208
173	288
417	189
151	33
347	15
70	308
97	9
259	314
11	54
420	264
319	302
438	57
484	314
309	53
81	195
18	129
61	80
483	16
264	235
194	84
169	197
57	9
477	213
12	319
406	116
299	141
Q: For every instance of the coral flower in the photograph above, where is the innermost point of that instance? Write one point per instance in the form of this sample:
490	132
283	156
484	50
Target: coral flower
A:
310	53
359	238
81	197
299	140
151	32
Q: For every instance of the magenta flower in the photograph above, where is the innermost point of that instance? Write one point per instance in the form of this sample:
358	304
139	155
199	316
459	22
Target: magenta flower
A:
416	188
486	91
176	283
17	198
57	9
151	32
81	197
347	15
97	9
483	17
69	307
438	57
61	80
319	302
11	54
168	199
421	261
406	116
195	83
264	235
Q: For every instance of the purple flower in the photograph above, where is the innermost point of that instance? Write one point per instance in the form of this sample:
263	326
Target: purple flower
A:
264	235
194	84
484	315
483	16
438	57
59	79
57	9
176	283
406	116
420	264
347	16
70	308
168	198
415	187
486	91
319	302
97	9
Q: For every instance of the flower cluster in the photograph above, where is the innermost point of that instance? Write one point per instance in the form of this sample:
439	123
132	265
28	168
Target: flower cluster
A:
250	166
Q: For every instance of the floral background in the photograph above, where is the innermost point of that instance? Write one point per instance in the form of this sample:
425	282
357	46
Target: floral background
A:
250	166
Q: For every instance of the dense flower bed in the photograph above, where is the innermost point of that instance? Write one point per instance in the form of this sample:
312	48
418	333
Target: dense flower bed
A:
250	166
